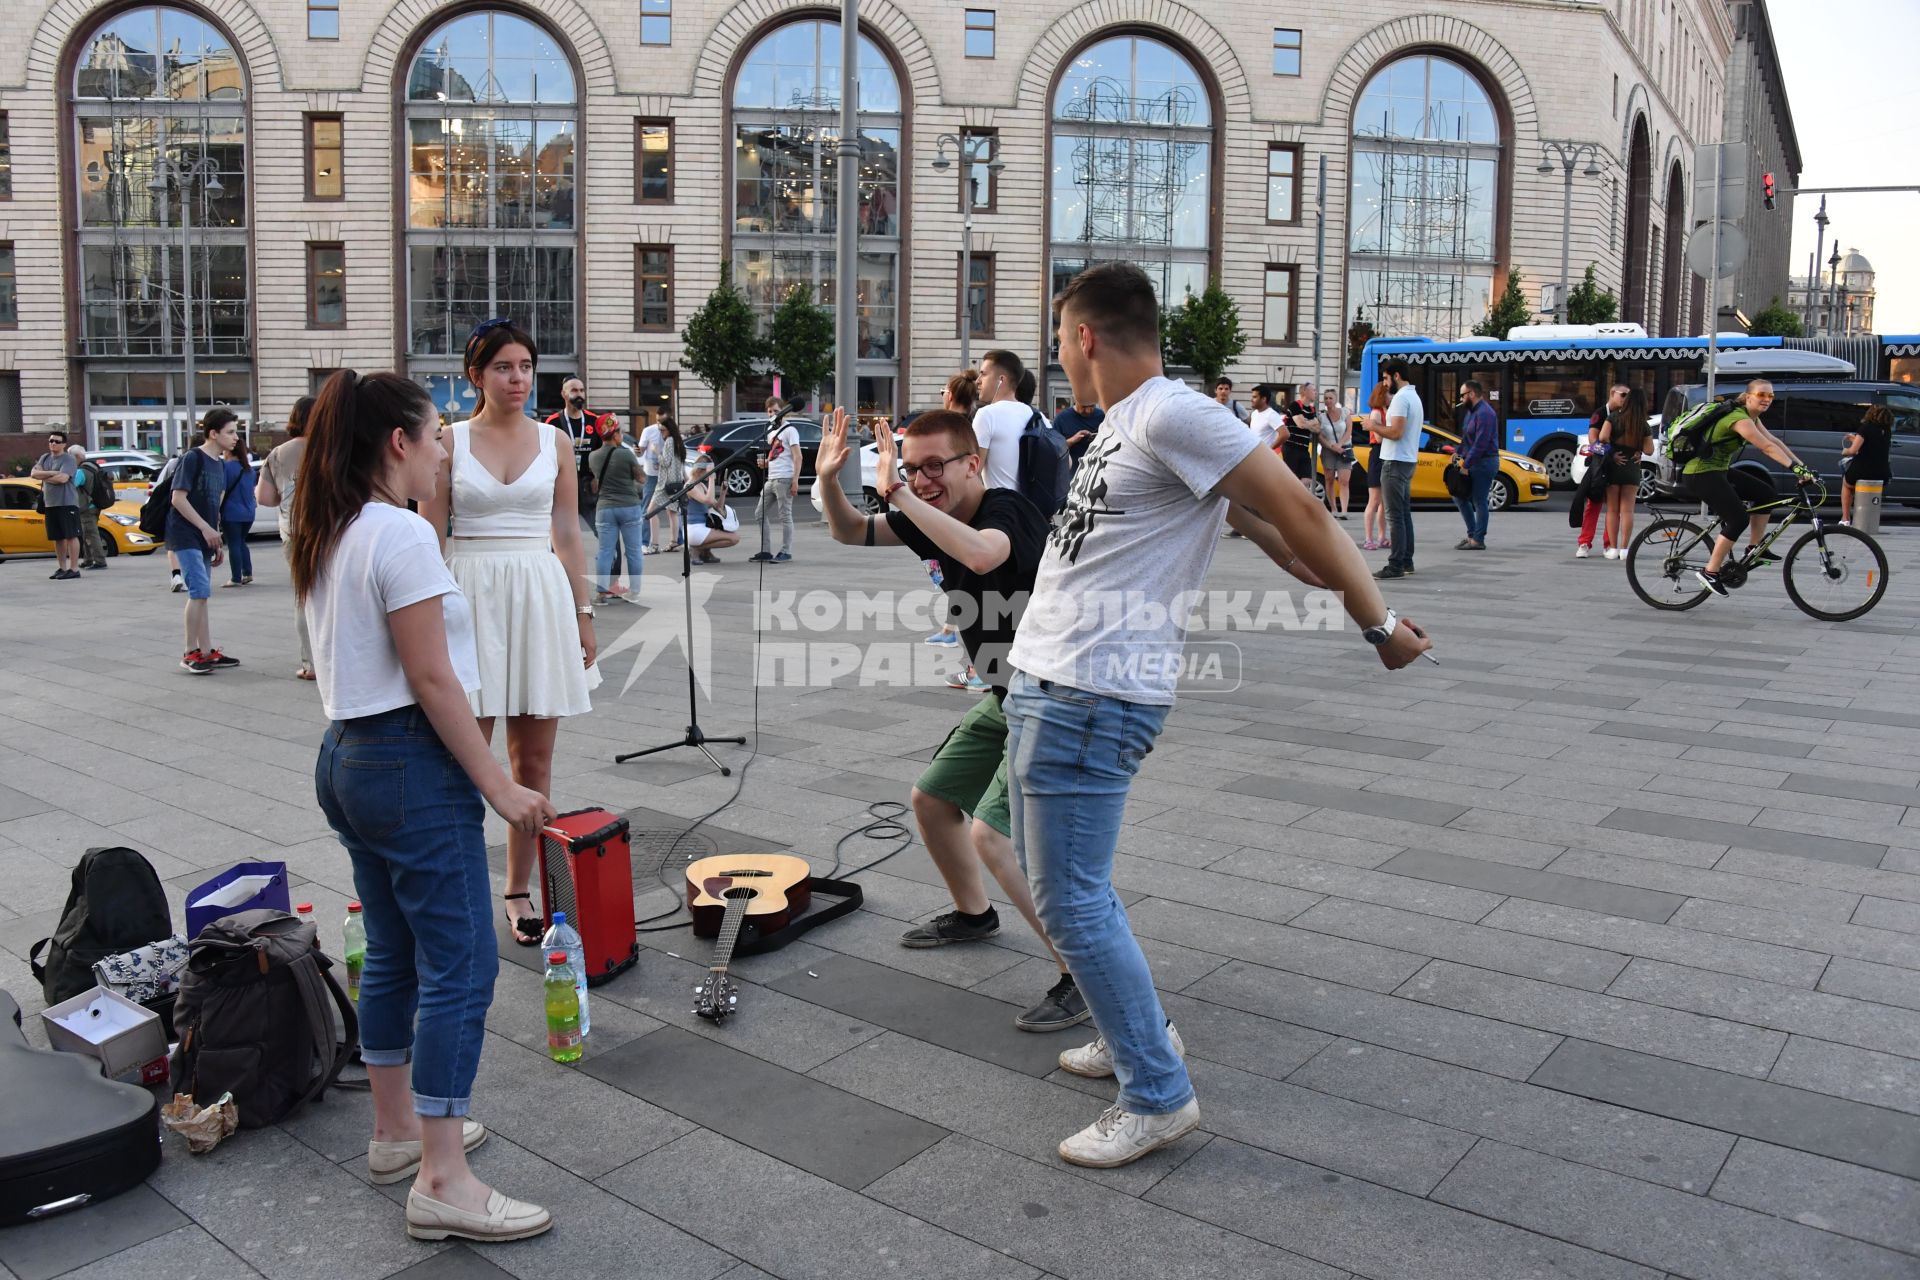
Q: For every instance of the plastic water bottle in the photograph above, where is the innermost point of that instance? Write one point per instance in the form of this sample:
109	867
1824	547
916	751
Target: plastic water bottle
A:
355	949
563	1010
564	937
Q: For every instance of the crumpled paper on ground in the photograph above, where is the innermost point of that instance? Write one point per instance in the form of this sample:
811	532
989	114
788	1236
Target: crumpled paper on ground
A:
202	1127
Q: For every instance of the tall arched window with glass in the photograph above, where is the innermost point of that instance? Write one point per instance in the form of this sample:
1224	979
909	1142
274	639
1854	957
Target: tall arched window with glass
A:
1425	198
492	114
158	113
1133	159
786	126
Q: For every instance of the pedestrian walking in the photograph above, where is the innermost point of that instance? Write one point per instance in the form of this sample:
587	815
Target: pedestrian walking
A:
279	473
618	512
193	533
781	462
669	454
1400	443
1479	458
1336	451
1591	508
1867	455
1627	438
508	510
93	493
404	777
60	506
1373	520
237	513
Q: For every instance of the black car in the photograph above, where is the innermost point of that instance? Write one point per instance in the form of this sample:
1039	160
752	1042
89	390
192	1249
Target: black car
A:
1814	419
742	476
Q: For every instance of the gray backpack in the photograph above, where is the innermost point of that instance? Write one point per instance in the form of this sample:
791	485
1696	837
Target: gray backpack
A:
256	1017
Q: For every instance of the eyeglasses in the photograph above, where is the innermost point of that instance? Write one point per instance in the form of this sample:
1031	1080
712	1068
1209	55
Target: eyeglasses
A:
931	470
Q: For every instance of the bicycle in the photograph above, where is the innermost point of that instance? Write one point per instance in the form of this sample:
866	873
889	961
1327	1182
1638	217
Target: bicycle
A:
1841	568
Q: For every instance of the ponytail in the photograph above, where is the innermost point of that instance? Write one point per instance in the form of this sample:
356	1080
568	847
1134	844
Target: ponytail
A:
346	435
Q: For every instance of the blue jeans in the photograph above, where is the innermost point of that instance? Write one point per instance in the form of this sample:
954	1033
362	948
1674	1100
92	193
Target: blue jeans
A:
410	819
618	527
646	500
1473	507
1396	485
239	555
195	572
1071	758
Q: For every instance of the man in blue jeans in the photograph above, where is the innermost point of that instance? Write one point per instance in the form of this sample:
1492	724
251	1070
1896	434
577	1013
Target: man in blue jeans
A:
1097	657
1399	455
1479	457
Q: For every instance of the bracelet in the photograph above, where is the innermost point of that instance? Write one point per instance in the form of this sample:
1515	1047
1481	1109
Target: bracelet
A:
583	610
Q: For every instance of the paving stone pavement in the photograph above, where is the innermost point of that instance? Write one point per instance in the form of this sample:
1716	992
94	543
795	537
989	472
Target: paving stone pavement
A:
1592	952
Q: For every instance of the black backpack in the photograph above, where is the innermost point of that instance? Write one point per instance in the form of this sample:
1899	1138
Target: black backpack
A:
99	489
1045	466
153	512
115	905
255	1017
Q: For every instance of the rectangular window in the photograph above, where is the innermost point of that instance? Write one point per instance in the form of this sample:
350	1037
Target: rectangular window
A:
980	296
653	288
982	182
1554	391
979	33
1282	287
11	420
656	21
6	159
1283	182
1286	51
317	378
323	19
9	294
651	397
325	151
326	285
653	162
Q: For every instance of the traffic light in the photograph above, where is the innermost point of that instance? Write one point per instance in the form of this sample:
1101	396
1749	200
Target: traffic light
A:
1766	188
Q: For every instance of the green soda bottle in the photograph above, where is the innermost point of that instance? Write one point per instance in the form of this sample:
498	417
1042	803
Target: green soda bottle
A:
563	1010
356	949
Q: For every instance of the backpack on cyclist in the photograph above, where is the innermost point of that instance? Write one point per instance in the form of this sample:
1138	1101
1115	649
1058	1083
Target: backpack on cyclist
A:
1045	466
116	904
1687	434
256	1017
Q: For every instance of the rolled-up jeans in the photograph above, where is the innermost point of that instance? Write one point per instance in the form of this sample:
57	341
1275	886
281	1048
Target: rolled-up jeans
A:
1071	758
618	527
411	821
1396	481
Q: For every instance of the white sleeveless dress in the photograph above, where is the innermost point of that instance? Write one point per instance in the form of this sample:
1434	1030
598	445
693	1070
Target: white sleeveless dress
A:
500	551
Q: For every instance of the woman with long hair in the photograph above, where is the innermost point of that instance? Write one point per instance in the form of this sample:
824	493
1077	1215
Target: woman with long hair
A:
237	512
509	513
1628	438
279	471
1375	516
401	776
669	453
1866	456
1336	451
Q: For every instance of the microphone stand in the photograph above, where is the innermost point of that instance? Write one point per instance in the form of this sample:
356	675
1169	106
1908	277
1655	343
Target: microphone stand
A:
697	738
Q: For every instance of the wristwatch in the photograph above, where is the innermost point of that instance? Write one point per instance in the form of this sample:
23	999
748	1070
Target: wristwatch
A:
586	611
1384	632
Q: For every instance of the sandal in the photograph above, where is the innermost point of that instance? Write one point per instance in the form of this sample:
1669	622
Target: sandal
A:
522	926
306	673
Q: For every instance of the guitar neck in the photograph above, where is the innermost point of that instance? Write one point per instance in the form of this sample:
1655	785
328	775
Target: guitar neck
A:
729	933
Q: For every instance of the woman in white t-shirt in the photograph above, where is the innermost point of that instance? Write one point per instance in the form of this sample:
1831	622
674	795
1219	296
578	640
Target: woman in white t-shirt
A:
401	777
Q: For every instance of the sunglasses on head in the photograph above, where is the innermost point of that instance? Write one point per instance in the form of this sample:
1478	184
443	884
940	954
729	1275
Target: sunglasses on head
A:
485	327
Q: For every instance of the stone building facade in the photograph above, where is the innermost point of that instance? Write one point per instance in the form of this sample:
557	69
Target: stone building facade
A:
365	179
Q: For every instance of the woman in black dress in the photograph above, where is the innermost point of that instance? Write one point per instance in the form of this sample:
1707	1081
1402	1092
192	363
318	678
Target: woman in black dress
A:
1866	456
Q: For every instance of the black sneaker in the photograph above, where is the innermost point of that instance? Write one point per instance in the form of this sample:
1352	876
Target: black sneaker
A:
218	659
1761	557
1711	581
1063	1007
195	663
761	556
950	928
1391	571
782	558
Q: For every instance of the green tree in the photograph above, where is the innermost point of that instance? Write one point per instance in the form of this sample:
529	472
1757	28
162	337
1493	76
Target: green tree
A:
1588	303
1204	334
722	344
800	343
1510	311
1775	321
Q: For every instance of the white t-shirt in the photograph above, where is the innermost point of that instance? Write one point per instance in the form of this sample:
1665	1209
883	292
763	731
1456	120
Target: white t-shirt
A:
387	559
782	450
997	427
1406	404
650	440
1268	424
1139	530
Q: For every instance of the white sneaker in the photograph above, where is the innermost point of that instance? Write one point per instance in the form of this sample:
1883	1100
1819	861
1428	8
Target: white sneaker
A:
1096	1060
1580	552
1120	1137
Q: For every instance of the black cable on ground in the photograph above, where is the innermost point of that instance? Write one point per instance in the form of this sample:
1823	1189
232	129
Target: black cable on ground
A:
885	826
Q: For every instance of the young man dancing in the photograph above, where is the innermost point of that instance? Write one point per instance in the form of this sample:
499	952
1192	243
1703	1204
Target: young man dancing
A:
1091	690
988	544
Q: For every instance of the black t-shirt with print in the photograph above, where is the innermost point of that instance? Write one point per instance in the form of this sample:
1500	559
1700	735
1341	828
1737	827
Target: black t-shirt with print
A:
1299	438
987	606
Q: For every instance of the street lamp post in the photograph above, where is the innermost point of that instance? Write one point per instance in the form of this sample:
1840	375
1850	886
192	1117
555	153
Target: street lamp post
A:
972	150
1813	274
184	173
1568	154
1833	288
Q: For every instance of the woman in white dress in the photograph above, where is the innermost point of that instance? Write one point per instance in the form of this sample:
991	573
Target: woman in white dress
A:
508	512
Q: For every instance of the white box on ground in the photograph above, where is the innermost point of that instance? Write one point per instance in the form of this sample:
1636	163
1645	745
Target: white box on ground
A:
106	1025
234	892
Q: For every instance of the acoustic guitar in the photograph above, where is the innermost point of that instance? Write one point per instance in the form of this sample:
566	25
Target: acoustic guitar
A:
725	892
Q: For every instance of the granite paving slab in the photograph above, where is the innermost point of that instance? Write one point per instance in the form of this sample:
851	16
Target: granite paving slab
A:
39	1250
1539	886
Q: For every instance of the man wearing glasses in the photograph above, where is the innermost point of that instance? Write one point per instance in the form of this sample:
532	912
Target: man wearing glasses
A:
55	471
988	543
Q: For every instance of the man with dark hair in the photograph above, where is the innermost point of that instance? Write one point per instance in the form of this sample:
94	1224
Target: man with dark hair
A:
55	471
1100	651
1077	425
1001	417
1399	455
1223	392
1479	457
987	543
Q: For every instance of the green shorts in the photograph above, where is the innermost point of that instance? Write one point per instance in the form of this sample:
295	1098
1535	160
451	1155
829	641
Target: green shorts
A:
970	768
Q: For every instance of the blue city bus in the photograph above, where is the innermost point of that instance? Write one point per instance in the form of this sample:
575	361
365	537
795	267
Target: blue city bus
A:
1886	357
1547	384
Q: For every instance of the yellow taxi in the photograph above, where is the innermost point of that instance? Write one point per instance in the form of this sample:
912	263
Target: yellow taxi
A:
23	531
1521	479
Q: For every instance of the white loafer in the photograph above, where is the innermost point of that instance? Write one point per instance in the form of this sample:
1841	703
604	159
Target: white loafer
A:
505	1219
389	1162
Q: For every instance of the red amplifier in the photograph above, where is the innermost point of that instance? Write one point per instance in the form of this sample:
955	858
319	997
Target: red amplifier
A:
586	870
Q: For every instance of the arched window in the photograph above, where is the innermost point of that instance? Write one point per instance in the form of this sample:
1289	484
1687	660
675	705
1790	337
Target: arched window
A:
786	120
158	112
492	113
1425	174
1633	294
1132	126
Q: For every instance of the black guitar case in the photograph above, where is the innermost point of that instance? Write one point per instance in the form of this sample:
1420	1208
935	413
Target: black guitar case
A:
68	1135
